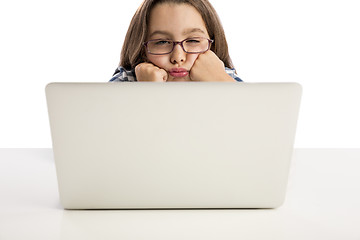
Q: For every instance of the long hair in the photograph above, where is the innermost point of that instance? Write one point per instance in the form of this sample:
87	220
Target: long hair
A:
133	50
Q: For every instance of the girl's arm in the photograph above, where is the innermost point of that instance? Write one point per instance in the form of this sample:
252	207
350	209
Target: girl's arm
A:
123	75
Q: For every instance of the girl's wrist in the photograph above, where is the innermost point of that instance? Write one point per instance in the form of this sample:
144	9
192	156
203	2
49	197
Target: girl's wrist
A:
228	78
224	77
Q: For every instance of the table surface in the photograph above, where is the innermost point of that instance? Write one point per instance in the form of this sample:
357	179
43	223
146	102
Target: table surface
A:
323	202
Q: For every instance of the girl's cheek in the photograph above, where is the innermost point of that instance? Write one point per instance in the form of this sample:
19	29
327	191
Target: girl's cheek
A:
160	60
191	58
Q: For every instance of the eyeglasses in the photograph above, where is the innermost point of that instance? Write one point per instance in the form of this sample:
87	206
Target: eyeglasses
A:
189	45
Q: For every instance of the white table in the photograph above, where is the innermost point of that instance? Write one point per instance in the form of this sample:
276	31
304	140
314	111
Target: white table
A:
323	202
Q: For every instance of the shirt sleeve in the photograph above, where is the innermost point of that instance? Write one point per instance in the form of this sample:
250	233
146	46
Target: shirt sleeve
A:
122	75
232	73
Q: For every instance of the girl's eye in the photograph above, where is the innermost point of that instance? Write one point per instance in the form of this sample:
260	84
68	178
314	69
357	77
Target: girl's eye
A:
162	42
192	41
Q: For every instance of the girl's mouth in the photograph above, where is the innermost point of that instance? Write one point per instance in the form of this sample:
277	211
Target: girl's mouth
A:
178	72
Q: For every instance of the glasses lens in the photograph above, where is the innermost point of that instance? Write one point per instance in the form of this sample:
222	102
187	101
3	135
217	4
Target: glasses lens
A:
160	46
196	45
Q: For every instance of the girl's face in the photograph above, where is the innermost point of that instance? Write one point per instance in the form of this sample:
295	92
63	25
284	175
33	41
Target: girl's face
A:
175	22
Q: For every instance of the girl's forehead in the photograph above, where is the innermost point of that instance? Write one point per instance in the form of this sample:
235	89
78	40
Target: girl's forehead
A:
177	20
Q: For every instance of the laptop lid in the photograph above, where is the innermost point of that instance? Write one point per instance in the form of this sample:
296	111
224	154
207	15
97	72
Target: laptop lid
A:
172	145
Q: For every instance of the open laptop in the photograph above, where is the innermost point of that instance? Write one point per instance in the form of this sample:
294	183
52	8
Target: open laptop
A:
135	145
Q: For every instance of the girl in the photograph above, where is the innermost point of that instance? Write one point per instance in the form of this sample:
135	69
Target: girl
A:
175	40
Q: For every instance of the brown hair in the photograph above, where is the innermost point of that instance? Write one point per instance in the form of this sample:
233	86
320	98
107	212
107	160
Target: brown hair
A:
133	50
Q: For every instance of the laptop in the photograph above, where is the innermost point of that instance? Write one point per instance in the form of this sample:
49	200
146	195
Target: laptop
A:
142	145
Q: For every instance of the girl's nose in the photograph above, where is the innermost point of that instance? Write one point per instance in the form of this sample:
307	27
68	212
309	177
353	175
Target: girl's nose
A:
178	55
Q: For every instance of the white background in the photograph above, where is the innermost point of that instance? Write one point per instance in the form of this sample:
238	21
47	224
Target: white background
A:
313	42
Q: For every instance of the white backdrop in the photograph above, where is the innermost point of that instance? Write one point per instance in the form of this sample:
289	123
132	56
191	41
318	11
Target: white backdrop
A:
313	42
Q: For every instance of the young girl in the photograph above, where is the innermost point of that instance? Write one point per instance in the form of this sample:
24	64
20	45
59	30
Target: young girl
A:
175	40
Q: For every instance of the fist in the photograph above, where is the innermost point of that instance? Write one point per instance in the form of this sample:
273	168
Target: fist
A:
209	68
151	73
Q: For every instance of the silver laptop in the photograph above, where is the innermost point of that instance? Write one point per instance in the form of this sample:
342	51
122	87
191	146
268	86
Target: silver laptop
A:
135	145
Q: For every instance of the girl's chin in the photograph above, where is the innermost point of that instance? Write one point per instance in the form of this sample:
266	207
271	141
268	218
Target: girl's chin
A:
177	79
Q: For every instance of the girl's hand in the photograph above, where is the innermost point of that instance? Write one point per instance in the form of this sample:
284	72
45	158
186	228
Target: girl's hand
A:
208	67
150	72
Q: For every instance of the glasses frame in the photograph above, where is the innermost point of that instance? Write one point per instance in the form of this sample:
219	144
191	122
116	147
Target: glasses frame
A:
176	43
